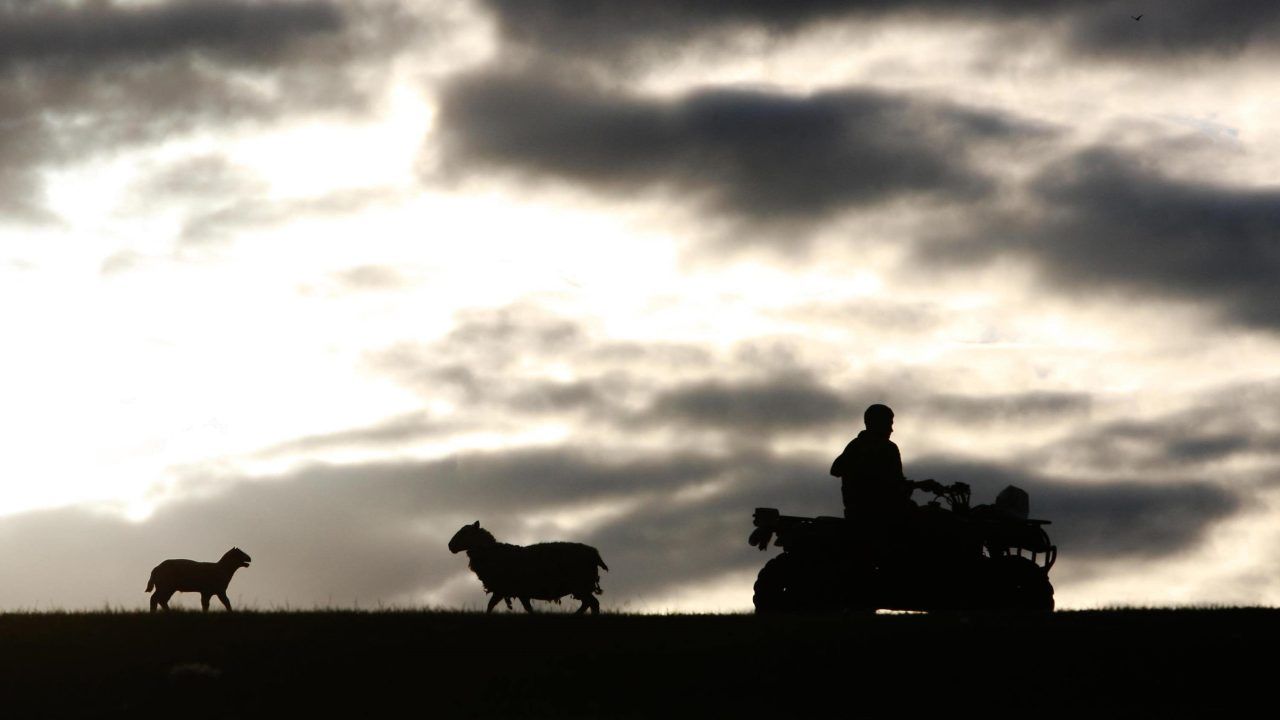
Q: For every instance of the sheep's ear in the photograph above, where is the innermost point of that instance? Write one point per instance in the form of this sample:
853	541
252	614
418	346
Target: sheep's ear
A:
475	524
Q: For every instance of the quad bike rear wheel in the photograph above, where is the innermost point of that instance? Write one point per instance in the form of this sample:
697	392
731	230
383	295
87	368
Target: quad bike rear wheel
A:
788	585
776	588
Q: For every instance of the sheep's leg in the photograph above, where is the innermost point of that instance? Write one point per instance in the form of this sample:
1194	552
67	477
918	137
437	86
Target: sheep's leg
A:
493	601
588	603
225	602
508	603
525	602
204	602
161	598
155	600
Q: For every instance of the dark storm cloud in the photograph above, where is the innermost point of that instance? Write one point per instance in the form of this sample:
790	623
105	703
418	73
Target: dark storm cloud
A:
1239	422
796	402
789	402
1179	28
93	33
1105	221
1097	520
617	30
1017	407
765	155
85	80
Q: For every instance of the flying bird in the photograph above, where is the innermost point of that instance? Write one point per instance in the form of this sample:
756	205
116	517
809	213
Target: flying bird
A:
1136	18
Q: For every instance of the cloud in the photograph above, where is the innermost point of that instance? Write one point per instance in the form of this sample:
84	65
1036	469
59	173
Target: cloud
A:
21	195
479	358
871	315
1014	407
1228	424
790	402
197	180
79	81
1177	29
619	31
506	364
763	155
218	198
1102	220
90	34
248	213
393	431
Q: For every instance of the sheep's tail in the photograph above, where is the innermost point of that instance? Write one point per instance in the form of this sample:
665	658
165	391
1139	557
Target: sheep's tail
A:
151	582
600	561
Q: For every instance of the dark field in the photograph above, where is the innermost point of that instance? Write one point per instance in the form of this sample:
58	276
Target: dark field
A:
446	665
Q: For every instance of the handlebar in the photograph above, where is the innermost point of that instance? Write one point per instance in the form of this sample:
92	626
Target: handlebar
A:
956	494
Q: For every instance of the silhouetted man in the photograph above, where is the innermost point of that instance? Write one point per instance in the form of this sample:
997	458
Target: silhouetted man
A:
875	491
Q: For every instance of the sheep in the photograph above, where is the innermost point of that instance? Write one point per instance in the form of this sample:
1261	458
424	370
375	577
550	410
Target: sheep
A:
206	578
545	571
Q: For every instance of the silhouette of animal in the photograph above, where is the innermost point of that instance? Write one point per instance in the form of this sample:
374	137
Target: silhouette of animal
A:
206	578
545	571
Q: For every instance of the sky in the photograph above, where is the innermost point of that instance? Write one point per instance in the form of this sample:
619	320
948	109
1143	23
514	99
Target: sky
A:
328	280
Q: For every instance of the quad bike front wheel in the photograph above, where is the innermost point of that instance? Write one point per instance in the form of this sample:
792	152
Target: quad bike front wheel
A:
1021	585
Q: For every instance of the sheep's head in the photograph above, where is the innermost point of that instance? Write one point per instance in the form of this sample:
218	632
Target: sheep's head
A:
236	557
470	537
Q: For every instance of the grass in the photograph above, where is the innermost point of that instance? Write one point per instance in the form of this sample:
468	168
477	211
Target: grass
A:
444	664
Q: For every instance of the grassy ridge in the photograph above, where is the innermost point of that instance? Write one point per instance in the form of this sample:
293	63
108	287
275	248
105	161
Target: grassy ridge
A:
456	664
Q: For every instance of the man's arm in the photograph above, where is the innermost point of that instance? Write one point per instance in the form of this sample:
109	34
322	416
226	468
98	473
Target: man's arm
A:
838	468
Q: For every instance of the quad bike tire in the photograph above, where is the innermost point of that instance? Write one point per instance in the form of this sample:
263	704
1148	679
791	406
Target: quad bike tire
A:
1020	585
775	588
787	586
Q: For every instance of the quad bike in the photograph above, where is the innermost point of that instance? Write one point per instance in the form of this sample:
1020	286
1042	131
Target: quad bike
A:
952	557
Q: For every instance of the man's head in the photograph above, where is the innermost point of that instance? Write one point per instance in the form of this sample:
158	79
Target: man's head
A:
879	419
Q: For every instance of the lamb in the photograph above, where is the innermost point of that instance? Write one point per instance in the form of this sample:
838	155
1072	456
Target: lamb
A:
206	578
545	571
